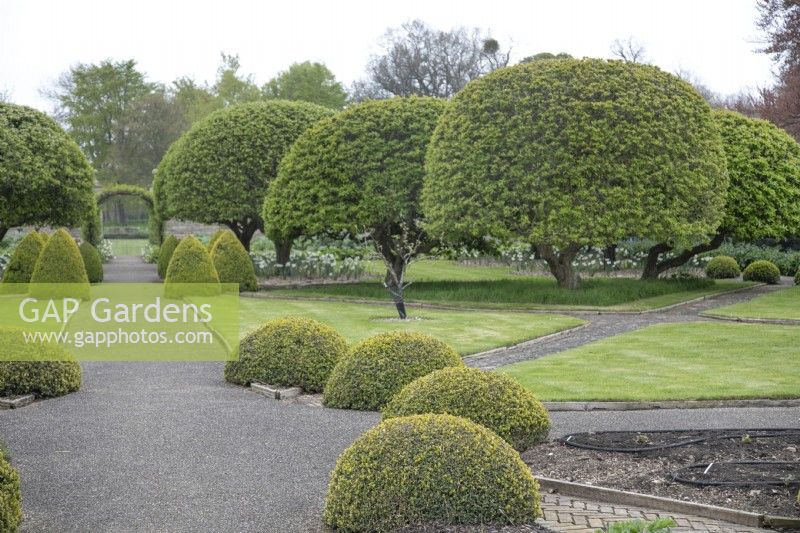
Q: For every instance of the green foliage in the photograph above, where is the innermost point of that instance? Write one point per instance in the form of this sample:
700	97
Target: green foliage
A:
10	496
493	400
309	82
764	168
378	367
763	271
155	229
92	262
42	369
218	172
23	260
49	176
660	525
575	152
165	254
797	277
59	271
291	351
213	240
788	261
723	267
92	228
190	264
233	263
429	470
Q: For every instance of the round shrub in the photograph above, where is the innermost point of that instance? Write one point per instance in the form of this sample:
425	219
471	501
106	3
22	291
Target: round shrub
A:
490	399
10	496
92	261
723	267
763	271
23	260
190	265
233	263
797	277
429	470
165	254
45	370
292	351
59	271
378	367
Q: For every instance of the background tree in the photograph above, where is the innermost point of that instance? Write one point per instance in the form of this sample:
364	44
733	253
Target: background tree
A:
762	200
218	171
360	172
562	154
420	60
44	177
629	50
545	55
231	87
309	82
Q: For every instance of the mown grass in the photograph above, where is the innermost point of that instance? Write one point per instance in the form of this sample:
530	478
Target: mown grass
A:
692	361
127	247
780	305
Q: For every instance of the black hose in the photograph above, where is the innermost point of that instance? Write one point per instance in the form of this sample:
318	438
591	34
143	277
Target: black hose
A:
791	480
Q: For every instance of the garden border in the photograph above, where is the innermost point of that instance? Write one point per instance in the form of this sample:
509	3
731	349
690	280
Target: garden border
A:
669	404
15	402
753	320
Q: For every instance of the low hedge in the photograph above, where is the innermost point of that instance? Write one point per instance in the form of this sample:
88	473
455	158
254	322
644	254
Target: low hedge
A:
723	267
428	470
165	254
493	400
291	351
23	261
190	265
378	367
233	263
45	370
797	277
59	271
763	271
10	496
92	261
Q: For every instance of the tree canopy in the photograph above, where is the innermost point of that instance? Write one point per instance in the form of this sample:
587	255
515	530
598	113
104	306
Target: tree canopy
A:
309	82
566	153
218	172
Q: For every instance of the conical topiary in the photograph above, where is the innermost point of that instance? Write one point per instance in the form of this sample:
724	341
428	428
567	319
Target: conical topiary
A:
92	262
23	260
215	237
233	263
60	271
165	254
190	265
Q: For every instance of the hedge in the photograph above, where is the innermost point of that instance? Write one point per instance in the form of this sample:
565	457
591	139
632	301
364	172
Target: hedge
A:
430	470
92	261
493	400
165	254
60	271
190	264
723	267
23	260
10	496
213	240
233	263
379	366
45	370
763	271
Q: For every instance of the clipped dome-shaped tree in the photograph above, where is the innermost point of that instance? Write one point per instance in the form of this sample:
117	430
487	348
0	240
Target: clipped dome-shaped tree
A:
165	254
291	351
190	270
490	399
233	263
215	237
723	267
92	261
761	202
360	171
763	271
23	260
43	369
10	495
218	172
379	366
565	153
430	471
44	176
59	271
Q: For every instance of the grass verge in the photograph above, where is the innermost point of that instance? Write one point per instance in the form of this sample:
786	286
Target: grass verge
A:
778	305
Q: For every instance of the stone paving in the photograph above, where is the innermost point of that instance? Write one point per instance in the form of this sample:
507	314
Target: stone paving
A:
129	270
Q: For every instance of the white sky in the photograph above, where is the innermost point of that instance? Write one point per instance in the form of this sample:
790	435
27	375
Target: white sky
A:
39	39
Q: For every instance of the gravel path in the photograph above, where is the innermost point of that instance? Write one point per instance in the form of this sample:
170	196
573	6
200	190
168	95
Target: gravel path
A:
130	270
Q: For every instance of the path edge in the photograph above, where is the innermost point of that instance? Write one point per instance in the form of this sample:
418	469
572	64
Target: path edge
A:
670	404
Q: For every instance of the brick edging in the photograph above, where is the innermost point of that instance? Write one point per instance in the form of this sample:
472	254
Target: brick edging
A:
669	404
527	343
660	503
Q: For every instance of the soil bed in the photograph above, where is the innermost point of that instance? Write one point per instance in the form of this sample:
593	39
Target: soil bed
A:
652	471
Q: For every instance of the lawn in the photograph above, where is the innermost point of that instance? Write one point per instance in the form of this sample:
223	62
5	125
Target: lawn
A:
444	270
782	305
127	247
672	362
468	332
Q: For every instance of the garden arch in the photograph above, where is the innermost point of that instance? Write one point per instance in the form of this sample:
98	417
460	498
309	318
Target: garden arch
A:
92	227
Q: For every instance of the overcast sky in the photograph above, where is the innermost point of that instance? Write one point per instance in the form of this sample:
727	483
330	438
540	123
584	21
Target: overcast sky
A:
716	39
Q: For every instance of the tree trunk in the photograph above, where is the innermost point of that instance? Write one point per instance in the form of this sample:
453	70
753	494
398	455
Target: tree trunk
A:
610	252
283	250
651	263
396	292
244	232
395	274
560	264
3	231
654	268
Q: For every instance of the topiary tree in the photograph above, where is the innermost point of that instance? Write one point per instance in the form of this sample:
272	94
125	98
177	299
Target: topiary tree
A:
44	177
60	271
233	263
190	264
10	495
23	261
213	240
92	261
430	471
763	271
378	367
493	400
764	167
43	369
291	351
165	254
565	153
219	171
361	172
723	267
